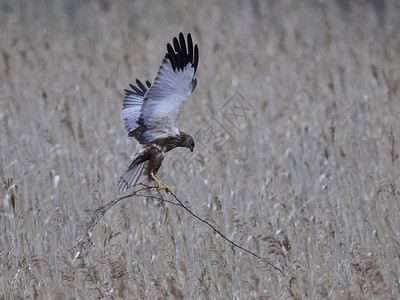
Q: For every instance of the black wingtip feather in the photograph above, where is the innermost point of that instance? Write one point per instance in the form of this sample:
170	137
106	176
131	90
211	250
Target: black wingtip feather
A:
180	55
176	45
183	43
190	42
141	91
141	86
135	88
190	54
171	56
196	58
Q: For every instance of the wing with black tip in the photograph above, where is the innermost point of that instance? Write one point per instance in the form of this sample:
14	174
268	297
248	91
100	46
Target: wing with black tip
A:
132	104
164	100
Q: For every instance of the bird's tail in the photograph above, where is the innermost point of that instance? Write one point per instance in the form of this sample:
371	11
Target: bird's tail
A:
132	173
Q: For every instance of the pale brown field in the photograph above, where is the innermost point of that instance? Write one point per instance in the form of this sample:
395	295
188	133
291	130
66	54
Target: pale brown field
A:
308	178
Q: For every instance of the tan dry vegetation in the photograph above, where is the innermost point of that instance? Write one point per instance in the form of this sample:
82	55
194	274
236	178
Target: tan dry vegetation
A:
310	182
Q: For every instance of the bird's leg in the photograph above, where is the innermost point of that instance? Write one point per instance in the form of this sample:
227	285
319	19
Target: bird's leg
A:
160	185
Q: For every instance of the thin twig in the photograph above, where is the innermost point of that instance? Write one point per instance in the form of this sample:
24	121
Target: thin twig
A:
220	233
100	212
158	198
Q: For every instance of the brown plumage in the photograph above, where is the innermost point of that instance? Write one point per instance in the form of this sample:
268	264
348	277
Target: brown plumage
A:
150	114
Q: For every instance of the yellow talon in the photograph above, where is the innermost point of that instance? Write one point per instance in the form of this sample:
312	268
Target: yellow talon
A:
167	189
160	185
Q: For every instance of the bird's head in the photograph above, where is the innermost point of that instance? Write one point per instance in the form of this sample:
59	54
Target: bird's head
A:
188	141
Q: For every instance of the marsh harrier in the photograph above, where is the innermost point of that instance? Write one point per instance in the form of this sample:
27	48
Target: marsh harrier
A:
150	111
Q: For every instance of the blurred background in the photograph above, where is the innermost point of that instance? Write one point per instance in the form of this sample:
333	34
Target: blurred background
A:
308	178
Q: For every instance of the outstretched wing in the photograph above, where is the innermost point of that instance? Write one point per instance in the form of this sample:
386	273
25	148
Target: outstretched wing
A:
165	99
131	106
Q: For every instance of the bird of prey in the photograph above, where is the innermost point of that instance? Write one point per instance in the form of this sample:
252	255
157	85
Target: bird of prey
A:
150	112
